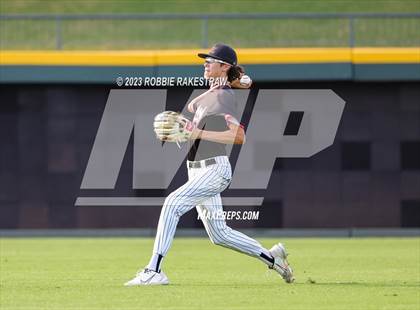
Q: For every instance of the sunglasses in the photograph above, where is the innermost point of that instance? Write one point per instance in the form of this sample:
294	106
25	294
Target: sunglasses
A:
209	60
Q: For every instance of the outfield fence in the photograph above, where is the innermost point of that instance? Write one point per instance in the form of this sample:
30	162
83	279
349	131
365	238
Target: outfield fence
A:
151	31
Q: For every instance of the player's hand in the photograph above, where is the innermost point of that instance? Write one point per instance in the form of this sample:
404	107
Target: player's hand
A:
237	83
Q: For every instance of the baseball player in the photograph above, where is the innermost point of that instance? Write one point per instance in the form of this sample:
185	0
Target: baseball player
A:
215	124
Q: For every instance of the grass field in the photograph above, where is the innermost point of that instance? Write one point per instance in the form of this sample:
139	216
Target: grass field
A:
149	34
86	273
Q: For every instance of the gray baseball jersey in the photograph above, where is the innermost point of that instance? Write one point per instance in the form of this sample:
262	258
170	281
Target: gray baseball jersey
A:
213	113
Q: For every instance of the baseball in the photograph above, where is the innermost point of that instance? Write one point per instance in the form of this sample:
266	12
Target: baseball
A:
245	80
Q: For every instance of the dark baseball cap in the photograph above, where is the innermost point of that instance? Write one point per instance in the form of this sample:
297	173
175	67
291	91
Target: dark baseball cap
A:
222	52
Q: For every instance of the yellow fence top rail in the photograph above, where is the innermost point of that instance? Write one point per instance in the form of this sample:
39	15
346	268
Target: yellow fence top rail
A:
188	57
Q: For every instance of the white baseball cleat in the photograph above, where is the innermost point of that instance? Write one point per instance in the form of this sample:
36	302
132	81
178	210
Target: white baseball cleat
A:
148	277
280	262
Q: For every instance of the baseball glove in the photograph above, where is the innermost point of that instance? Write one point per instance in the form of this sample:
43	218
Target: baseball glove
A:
172	126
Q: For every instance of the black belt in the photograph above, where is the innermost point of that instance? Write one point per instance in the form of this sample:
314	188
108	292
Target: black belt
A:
197	164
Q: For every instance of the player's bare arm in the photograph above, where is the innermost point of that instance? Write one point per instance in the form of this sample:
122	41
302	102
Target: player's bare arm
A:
190	106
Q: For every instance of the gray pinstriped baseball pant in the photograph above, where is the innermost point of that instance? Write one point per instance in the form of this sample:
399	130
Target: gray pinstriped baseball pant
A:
203	192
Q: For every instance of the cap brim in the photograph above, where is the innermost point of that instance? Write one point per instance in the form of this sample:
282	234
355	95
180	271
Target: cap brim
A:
202	55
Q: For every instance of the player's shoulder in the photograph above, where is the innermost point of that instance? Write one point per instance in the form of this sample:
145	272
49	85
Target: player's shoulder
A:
224	88
224	93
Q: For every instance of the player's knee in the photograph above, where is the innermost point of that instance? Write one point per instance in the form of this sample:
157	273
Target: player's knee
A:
219	238
173	203
169	205
168	209
216	240
175	198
